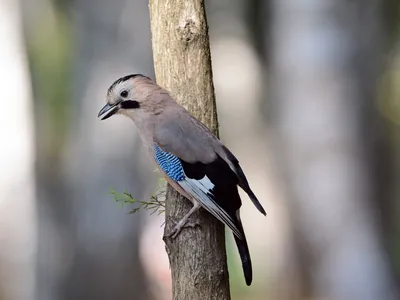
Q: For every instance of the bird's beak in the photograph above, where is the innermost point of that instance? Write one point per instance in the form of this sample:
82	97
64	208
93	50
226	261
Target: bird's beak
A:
108	110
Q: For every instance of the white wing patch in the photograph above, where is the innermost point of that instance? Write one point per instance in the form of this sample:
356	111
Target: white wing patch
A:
201	190
204	184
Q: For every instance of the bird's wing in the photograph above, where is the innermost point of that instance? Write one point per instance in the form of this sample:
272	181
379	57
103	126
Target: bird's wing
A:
242	180
184	136
198	170
193	179
213	185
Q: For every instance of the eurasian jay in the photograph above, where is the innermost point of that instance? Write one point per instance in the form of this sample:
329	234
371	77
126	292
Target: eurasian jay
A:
193	160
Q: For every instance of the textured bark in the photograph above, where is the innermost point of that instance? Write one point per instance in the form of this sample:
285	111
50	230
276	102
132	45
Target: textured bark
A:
183	66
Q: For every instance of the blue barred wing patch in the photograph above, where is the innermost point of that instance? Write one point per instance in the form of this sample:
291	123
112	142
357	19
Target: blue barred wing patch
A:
169	163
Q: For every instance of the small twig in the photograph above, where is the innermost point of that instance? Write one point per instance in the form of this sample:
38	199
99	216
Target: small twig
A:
156	203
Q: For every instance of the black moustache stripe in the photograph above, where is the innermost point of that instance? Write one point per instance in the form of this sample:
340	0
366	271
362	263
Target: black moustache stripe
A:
130	104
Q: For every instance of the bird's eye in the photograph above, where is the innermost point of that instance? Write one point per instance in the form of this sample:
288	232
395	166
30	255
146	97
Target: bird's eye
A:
124	94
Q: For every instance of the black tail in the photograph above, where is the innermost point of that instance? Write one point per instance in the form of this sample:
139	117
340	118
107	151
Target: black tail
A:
244	256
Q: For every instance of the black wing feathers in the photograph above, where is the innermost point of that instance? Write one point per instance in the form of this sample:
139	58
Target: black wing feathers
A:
242	180
225	193
225	182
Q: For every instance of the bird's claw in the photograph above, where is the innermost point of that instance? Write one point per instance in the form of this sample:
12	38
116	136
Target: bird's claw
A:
178	227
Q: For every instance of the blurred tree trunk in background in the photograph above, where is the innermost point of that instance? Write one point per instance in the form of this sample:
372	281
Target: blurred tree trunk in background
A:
112	41
387	163
89	246
18	228
326	57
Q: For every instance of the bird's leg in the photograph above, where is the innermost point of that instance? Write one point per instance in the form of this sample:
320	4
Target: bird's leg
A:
184	221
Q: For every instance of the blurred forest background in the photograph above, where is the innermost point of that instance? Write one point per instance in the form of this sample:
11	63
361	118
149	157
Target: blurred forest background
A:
308	95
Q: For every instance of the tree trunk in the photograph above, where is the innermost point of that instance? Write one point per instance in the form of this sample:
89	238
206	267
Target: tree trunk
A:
183	66
18	228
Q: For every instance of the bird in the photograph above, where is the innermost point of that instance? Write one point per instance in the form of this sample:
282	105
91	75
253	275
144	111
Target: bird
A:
192	159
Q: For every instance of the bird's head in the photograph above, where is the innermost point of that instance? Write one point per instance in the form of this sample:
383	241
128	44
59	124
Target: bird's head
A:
128	95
